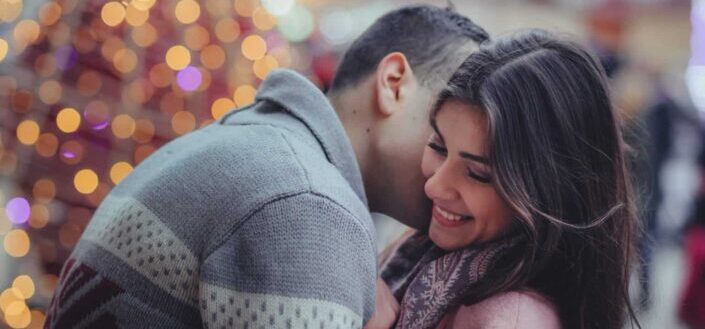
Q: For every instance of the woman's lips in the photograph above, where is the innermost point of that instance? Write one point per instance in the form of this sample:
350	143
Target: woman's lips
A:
447	218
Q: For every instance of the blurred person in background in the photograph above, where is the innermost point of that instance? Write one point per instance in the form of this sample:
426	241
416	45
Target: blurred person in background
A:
533	221
262	218
691	307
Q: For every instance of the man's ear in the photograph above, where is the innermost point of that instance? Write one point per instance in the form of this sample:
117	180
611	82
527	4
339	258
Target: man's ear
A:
394	79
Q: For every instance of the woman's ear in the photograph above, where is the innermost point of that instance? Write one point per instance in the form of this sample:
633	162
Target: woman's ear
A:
393	80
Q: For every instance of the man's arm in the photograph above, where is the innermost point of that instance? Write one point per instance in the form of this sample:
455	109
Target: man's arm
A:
300	261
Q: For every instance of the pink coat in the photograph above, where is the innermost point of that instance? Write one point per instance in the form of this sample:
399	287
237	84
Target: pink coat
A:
524	309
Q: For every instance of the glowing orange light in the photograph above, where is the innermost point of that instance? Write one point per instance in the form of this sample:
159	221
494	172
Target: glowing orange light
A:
187	11
221	106
68	120
27	132
178	57
123	126
212	57
244	95
119	171
254	47
113	13
85	181
16	243
227	30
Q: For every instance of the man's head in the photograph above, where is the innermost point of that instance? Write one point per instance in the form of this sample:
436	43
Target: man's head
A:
383	91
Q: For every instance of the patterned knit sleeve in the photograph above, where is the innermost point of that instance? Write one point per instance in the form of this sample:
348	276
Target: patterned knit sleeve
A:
299	262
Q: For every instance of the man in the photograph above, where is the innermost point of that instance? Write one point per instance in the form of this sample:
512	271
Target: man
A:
261	220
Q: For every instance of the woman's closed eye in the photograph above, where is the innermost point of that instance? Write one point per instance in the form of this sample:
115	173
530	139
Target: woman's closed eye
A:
479	177
437	146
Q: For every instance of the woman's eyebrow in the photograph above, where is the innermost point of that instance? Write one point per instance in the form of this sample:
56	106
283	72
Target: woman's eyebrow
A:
473	157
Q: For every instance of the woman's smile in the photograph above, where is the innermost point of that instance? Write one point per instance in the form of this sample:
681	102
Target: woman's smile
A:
447	218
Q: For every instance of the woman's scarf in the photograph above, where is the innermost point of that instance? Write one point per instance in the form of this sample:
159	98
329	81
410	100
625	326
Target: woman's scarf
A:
429	282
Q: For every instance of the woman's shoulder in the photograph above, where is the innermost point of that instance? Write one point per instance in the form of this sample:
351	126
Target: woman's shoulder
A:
524	309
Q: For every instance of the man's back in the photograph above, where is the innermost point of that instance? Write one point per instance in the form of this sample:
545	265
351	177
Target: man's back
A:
255	221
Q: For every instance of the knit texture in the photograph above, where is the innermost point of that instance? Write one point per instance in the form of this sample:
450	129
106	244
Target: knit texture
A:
257	221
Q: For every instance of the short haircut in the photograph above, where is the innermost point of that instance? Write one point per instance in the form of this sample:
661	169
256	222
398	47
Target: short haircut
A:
434	40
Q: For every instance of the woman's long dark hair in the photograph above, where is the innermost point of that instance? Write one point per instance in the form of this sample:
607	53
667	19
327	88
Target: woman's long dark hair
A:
557	157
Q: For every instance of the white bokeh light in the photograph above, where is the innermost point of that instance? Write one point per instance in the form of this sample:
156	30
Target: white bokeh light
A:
278	7
337	27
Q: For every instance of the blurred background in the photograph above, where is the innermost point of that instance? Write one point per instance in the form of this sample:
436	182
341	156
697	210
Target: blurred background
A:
88	89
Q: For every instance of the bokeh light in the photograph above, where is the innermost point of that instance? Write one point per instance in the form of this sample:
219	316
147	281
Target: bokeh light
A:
119	171
97	114
144	35
196	37
71	152
178	57
89	83
221	106
39	216
244	95
28	132
183	122
246	8
297	25
50	92
16	243
10	10
254	47
68	120
264	65
144	131
24	285
49	13
212	57
123	126
263	20
85	181
187	11
337	27
17	315
113	13
17	210
189	78
227	30
278	7
136	16
161	75
47	145
125	60
44	190
26	32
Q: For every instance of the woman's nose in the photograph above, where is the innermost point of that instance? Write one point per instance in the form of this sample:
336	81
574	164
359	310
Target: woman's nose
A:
441	184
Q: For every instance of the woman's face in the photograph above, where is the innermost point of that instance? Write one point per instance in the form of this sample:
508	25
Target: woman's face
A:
466	206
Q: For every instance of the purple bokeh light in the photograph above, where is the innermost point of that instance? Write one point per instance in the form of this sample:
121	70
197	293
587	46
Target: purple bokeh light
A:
189	78
100	126
17	210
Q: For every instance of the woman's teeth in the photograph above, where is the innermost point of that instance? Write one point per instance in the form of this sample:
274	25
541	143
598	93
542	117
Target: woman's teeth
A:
450	216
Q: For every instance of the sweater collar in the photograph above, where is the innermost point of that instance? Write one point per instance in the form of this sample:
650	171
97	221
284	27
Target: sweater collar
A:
303	100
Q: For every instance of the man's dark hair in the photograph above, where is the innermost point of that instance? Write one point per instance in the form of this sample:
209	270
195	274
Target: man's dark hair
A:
434	40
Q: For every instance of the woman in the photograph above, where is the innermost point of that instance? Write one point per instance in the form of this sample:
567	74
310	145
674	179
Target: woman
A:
533	219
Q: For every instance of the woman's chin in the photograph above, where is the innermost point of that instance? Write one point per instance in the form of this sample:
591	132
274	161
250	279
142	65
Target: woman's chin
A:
444	240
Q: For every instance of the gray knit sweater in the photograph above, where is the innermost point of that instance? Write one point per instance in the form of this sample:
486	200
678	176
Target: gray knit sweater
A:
259	220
